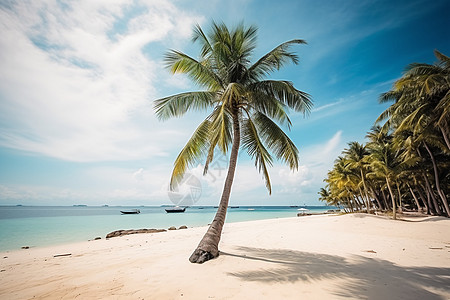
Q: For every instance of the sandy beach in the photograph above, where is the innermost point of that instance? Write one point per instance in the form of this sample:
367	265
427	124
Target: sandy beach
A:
313	257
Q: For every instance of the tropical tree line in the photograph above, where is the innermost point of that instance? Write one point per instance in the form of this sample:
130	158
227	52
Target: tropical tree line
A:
405	163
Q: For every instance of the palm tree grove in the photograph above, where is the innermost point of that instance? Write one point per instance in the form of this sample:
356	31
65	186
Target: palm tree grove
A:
405	164
244	110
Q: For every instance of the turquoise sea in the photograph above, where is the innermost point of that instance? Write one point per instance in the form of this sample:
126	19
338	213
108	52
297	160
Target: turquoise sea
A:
37	226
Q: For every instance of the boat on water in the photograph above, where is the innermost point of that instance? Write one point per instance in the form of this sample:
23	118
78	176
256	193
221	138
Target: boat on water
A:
130	212
175	209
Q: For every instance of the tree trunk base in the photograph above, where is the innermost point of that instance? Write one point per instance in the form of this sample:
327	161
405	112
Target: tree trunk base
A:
200	256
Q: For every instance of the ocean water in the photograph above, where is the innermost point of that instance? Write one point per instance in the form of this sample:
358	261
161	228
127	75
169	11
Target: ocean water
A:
38	226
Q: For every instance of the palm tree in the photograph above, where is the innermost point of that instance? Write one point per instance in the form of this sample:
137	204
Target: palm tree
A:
422	99
410	152
421	108
356	155
385	163
244	108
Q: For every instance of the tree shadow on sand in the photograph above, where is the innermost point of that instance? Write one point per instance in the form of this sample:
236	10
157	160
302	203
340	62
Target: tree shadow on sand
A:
368	278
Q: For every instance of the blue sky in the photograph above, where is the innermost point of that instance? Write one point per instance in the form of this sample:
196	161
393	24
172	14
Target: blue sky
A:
77	81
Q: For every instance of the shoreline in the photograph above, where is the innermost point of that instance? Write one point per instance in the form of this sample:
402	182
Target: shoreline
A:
322	256
33	232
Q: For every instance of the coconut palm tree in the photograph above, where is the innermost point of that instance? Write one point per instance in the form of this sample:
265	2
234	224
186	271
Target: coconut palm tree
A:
384	163
419	118
421	99
410	153
245	110
357	154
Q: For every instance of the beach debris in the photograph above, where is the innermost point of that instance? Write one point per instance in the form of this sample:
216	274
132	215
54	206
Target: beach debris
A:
25	247
301	214
435	248
132	231
172	228
64	254
370	251
97	238
183	227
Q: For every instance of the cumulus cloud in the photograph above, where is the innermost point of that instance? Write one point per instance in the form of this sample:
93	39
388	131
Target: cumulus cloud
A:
75	77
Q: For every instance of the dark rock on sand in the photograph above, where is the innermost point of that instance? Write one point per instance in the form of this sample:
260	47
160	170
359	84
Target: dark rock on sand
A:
183	227
132	231
172	228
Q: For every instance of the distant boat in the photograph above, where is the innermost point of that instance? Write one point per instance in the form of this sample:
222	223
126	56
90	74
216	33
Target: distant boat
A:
293	206
175	209
130	212
234	206
79	205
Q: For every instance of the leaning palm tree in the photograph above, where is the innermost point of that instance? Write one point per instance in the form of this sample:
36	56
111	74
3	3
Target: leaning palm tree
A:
244	108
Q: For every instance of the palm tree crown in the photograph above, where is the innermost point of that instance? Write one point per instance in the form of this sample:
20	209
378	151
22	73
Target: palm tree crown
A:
235	87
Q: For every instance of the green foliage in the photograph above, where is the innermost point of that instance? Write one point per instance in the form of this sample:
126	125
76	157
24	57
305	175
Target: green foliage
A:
410	151
238	97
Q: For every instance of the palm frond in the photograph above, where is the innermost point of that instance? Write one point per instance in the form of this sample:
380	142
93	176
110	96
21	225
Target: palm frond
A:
286	93
276	140
444	60
199	35
178	105
274	60
255	149
200	73
269	106
194	148
389	96
221	126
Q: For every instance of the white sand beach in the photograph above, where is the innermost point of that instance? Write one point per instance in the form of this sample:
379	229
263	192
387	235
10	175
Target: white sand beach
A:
312	257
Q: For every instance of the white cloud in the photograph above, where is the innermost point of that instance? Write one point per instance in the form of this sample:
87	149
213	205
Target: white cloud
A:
149	184
139	174
70	88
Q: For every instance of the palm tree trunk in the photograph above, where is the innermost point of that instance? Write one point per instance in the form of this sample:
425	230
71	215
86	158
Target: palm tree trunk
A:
445	135
425	201
436	178
364	200
431	194
208	248
365	191
376	197
400	204
394	209
419	208
350	204
386	204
